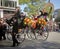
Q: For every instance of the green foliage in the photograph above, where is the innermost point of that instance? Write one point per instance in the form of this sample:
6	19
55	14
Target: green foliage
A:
26	9
33	6
23	1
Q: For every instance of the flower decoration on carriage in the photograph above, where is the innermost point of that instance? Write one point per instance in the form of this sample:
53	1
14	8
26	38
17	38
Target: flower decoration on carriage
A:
42	21
33	24
27	21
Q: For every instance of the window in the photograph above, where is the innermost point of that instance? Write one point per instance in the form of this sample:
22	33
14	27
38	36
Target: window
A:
9	3
12	3
0	2
6	3
15	4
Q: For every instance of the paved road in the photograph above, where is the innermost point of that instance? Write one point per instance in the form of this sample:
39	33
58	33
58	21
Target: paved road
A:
53	42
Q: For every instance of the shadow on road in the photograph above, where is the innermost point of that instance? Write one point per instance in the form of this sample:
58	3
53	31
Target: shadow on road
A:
33	45
50	45
44	45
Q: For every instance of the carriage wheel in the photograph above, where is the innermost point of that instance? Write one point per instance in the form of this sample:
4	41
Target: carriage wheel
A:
20	36
42	35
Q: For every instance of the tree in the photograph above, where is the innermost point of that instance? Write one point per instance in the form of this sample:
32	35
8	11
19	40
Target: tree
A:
26	9
32	5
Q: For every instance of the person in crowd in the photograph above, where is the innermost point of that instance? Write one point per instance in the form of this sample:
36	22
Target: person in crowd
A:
40	14
15	31
21	23
15	27
2	29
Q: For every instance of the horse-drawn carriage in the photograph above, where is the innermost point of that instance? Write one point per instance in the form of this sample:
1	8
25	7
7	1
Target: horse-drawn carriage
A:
33	29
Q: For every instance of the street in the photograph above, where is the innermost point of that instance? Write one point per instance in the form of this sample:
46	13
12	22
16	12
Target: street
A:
53	42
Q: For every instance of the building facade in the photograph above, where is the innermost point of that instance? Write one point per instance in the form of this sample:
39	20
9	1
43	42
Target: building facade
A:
7	7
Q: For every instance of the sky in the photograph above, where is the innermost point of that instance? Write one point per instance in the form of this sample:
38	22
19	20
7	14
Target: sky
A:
22	7
56	4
